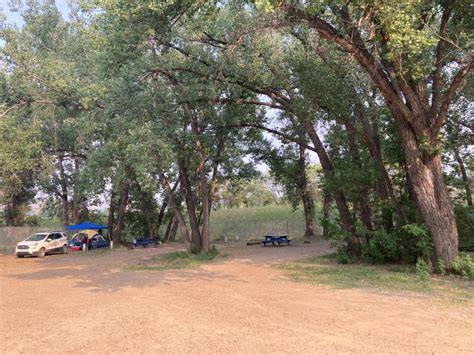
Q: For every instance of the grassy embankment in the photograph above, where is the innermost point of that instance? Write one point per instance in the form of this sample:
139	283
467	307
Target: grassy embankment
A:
380	278
254	222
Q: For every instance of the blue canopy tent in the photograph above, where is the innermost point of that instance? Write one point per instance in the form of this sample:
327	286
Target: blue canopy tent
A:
88	225
85	225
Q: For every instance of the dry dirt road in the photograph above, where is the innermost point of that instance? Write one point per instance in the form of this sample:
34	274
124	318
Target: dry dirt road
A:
88	304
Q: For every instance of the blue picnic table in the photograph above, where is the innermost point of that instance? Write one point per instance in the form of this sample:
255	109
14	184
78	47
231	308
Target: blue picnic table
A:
273	239
143	242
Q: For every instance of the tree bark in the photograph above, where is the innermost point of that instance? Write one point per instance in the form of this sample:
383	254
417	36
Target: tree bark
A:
173	228
191	207
13	213
326	209
121	209
465	178
178	215
341	203
63	194
168	228
111	219
76	199
431	195
362	203
384	186
164	205
305	195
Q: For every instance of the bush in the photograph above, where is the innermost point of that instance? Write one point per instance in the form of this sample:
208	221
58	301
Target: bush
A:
382	247
423	270
342	257
209	255
464	266
33	221
419	240
465	223
410	242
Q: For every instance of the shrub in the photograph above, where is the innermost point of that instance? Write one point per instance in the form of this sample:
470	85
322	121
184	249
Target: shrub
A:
209	255
342	257
382	247
33	221
410	242
464	266
423	270
442	267
465	223
419	236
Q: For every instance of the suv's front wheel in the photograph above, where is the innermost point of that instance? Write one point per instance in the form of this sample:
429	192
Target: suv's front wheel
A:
41	253
64	249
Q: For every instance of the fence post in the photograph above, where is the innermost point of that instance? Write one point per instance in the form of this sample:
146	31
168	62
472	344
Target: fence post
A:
287	229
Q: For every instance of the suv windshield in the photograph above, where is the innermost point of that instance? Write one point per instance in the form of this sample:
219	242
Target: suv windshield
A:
36	237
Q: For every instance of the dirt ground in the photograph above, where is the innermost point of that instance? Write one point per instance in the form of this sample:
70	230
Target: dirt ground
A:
240	304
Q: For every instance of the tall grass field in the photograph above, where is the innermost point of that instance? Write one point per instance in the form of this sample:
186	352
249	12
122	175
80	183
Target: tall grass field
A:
255	222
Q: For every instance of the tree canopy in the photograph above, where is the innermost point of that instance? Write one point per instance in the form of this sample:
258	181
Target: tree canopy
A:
163	108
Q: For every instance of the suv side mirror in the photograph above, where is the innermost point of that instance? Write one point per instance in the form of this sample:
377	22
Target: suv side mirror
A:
48	239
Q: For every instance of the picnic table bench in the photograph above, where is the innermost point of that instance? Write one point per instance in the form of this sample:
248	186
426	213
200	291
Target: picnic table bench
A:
276	239
143	242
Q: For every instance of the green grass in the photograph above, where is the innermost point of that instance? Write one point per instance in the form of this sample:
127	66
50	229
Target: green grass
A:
260	214
5	250
400	278
91	253
173	260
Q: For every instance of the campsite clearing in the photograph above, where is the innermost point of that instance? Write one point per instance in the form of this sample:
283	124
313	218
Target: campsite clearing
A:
220	307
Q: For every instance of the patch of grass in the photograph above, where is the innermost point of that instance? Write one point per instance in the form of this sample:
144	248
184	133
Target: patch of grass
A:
91	253
324	270
5	250
173	260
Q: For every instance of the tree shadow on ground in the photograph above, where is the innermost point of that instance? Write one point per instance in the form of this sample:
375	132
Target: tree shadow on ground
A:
103	271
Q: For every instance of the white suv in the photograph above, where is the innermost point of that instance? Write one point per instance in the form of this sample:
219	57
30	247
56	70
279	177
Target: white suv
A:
41	244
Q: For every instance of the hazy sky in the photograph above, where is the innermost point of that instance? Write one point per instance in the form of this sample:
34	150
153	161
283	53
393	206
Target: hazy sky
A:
13	17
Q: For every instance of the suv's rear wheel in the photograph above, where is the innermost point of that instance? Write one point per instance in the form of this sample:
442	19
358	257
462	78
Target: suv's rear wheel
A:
64	249
41	253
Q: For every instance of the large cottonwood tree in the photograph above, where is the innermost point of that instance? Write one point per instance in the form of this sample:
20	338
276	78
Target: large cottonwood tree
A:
417	54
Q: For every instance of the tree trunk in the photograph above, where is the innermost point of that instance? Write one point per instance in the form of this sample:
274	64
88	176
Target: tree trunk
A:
206	241
431	195
307	202
326	209
215	171
178	215
121	209
191	207
362	203
384	185
63	194
13	213
164	205
328	169
465	178
168	228
111	219
76	199
201	171
173	228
